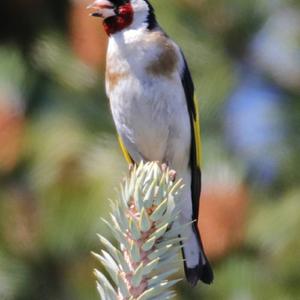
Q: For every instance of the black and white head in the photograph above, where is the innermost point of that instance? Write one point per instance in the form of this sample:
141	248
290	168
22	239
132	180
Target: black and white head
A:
122	14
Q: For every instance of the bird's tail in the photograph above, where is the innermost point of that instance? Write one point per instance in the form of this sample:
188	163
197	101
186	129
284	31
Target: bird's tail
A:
196	264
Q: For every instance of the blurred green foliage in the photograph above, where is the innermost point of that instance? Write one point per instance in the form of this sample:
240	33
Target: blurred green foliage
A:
61	161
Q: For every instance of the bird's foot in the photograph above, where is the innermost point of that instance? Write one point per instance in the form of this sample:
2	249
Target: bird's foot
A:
172	174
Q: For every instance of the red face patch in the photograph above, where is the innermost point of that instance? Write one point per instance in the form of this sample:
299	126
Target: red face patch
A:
120	21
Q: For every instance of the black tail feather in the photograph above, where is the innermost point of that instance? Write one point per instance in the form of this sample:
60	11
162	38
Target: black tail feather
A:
200	272
203	271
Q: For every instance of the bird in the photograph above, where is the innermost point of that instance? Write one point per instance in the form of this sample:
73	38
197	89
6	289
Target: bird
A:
151	95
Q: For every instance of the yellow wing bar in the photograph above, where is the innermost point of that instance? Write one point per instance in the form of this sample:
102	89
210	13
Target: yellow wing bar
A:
124	150
197	133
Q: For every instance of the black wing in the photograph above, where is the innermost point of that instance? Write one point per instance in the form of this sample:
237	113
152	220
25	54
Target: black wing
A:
203	271
188	86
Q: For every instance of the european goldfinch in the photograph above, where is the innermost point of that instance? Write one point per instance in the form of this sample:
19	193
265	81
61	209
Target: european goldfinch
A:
151	95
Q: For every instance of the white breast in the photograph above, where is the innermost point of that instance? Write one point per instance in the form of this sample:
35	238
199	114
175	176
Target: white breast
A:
149	109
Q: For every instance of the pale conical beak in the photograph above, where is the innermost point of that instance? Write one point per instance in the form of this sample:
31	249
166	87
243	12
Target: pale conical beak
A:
102	8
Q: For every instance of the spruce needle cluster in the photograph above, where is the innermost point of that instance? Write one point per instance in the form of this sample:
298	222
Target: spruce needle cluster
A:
144	223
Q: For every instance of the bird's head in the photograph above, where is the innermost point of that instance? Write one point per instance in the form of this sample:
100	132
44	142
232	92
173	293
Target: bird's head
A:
118	15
